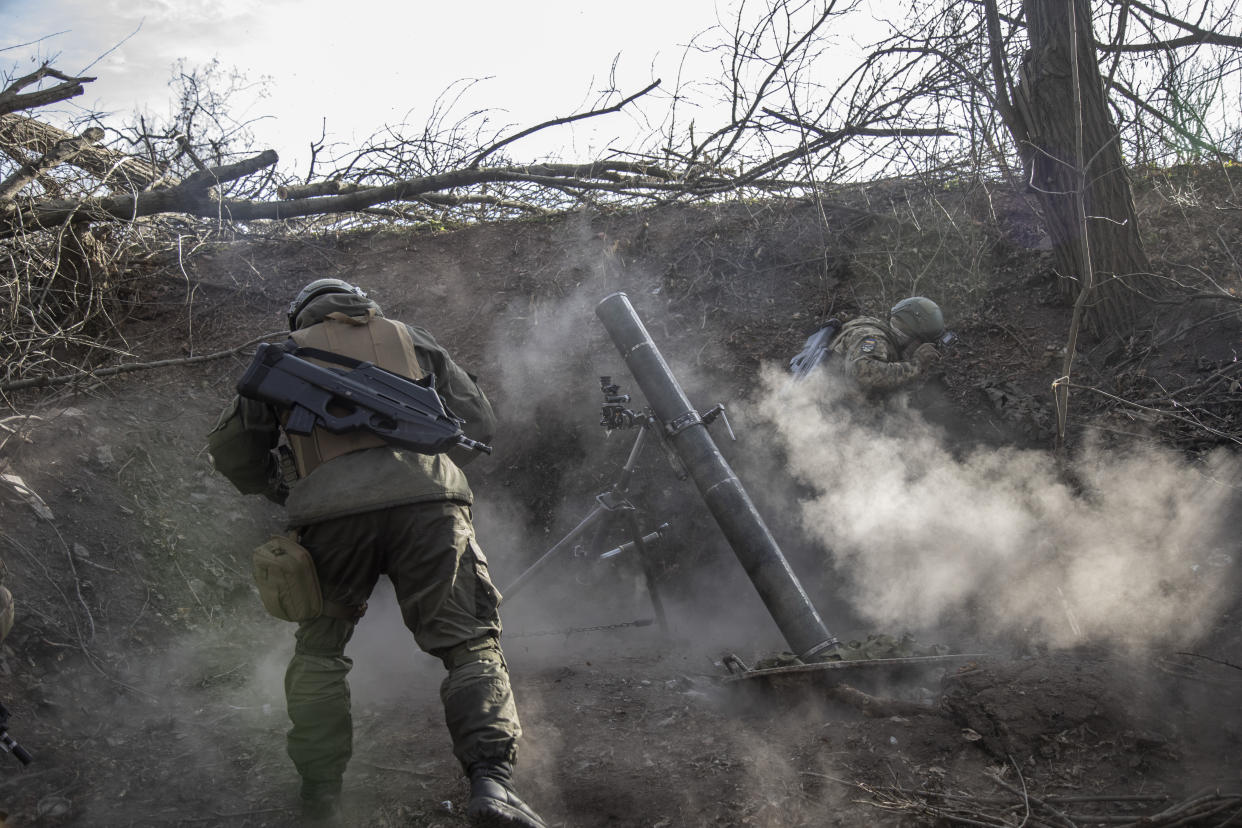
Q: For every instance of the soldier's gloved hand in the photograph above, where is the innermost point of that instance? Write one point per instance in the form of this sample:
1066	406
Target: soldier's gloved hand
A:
925	356
277	485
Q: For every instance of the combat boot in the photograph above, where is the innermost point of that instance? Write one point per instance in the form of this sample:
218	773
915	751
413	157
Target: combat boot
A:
494	803
321	802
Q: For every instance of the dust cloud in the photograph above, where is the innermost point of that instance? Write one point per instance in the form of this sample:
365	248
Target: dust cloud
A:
543	350
919	535
545	384
925	536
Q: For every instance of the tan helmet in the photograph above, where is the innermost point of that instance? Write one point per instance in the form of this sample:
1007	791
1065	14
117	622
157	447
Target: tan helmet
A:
917	318
318	288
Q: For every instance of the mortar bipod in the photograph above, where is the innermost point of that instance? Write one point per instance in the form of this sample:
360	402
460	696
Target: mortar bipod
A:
613	503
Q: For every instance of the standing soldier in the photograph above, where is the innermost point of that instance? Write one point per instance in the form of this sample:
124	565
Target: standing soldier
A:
362	508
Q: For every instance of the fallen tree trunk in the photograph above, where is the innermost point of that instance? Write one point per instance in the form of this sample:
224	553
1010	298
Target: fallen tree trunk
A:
118	172
191	196
63	152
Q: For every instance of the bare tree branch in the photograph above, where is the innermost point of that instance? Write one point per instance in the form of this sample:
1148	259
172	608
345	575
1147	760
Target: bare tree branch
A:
331	186
732	129
1000	75
190	197
833	135
1163	118
1196	36
559	121
13	100
1207	38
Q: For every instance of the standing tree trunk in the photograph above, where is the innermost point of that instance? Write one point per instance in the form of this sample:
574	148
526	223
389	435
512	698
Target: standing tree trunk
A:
1043	120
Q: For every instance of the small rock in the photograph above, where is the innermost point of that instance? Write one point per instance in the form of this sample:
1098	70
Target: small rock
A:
53	806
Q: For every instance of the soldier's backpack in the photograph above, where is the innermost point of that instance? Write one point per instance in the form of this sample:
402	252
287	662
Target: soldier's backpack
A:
817	348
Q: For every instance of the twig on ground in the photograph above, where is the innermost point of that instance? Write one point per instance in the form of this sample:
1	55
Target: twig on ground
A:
190	586
1028	798
1202	809
1209	658
1187	418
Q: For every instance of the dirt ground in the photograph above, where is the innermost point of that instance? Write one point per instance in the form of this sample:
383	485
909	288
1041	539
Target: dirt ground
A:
1090	608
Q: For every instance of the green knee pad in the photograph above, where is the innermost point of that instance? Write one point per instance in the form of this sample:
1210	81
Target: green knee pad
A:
484	648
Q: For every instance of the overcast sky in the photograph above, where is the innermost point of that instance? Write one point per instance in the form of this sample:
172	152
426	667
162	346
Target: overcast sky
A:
362	64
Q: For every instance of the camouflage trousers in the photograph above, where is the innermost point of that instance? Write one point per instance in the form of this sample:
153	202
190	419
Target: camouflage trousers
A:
448	602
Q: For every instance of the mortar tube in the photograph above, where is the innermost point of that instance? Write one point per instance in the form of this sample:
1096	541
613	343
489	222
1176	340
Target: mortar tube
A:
752	542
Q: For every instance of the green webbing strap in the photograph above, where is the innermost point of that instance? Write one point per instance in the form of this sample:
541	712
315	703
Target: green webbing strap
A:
476	649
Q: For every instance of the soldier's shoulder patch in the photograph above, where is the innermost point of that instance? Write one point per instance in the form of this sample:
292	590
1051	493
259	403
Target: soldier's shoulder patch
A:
867	344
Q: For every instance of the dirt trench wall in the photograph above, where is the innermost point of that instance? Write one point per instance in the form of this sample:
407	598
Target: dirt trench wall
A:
721	289
136	595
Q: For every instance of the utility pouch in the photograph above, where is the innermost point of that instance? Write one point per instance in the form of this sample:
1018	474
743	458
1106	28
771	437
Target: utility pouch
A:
288	584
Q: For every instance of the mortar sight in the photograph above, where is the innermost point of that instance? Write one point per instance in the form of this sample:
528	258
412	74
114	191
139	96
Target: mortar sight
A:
613	413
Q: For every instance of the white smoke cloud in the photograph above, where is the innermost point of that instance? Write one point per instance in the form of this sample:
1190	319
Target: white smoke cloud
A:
923	535
544	344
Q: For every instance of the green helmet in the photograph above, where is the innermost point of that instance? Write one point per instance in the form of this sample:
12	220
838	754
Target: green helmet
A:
318	288
918	318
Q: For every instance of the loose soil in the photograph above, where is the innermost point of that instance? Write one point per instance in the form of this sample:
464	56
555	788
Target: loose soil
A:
146	680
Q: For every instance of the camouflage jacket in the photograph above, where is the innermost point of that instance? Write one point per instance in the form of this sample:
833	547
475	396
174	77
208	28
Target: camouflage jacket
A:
871	355
247	432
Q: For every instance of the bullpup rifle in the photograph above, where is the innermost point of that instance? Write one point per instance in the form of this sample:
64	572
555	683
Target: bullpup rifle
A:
363	397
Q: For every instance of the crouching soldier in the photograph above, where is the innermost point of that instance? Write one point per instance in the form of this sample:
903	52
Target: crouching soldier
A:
362	508
881	355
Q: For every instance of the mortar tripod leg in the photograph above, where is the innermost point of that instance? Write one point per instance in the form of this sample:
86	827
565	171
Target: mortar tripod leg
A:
644	556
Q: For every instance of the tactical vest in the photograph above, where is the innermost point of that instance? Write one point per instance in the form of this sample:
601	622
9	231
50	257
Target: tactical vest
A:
368	338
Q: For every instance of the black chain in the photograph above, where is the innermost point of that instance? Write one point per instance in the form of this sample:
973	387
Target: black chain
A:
642	622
